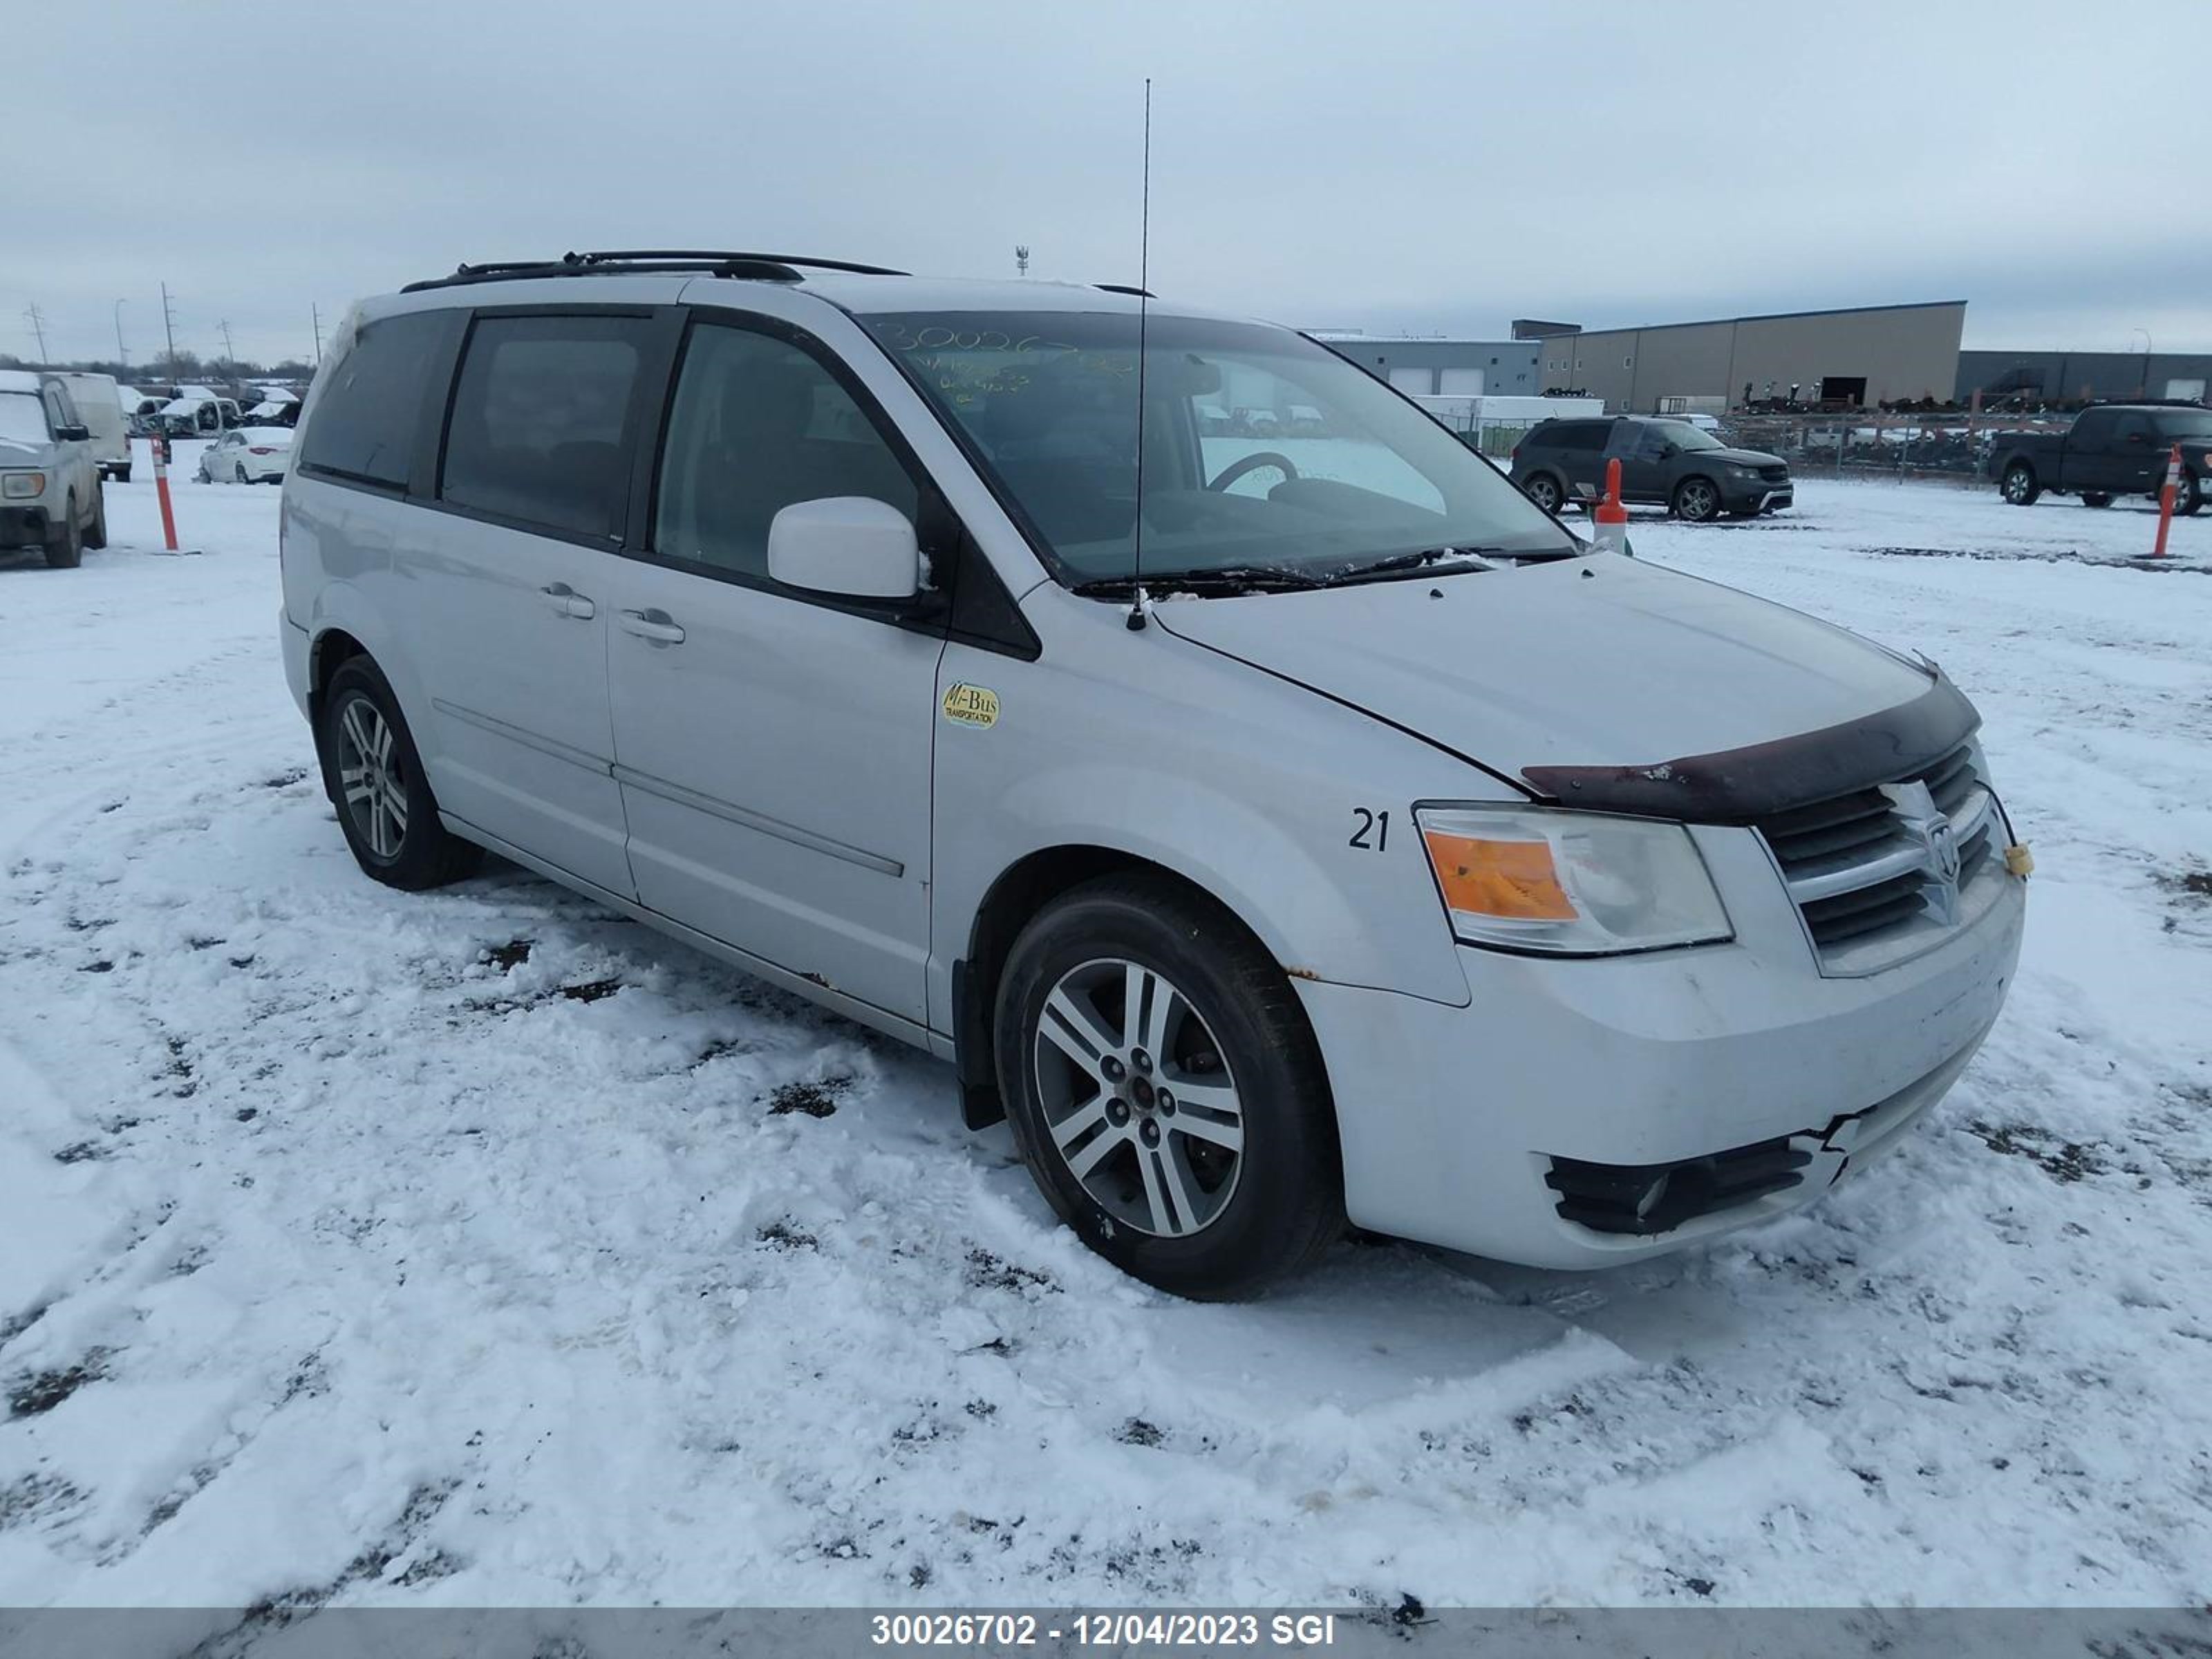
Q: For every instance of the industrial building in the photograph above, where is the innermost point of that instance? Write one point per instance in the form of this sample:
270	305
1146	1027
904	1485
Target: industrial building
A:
1450	368
2038	377
1867	355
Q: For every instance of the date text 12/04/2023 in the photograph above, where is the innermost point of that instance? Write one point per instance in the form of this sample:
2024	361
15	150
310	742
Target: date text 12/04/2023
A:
1124	1630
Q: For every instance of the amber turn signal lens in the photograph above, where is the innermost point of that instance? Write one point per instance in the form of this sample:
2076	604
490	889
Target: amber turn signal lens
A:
1510	879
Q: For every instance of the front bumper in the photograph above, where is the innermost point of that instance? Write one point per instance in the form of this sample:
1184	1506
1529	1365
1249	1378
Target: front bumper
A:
22	525
1755	495
1570	1085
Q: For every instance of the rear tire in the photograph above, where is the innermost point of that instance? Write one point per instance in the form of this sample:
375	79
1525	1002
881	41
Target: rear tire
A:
374	777
238	472
2018	485
65	551
1150	1180
1546	491
2095	498
2190	497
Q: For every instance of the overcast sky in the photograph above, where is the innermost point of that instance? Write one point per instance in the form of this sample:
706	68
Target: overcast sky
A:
1397	167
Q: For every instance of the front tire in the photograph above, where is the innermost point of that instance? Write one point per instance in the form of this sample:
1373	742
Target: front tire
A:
2018	485
95	538
65	551
1165	1091
374	777
1697	500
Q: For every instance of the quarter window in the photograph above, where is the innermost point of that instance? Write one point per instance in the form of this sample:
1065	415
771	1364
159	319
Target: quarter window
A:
368	416
758	425
540	412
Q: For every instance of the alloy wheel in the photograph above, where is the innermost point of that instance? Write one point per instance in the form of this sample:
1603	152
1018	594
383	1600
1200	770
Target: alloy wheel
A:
1138	1099
1697	501
369	778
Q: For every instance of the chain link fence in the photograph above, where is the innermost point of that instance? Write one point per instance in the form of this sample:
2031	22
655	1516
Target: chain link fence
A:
1858	444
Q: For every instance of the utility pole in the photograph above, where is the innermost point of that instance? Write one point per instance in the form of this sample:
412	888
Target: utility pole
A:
36	318
229	351
169	326
318	312
122	352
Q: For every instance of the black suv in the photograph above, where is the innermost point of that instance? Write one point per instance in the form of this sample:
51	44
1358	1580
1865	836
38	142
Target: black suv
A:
1672	463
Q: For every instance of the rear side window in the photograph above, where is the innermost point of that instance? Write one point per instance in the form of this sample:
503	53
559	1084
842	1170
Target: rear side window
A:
2092	426
369	417
541	411
758	425
1577	434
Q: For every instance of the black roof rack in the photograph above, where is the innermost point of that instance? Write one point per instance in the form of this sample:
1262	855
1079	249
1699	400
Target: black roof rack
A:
1125	288
758	267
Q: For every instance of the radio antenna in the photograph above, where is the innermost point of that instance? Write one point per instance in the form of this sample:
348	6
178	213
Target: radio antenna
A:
1143	299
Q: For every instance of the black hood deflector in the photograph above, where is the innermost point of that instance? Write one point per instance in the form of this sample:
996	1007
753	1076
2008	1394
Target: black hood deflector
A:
1742	786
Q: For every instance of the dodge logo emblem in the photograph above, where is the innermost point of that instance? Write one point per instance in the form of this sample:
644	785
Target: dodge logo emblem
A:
1943	852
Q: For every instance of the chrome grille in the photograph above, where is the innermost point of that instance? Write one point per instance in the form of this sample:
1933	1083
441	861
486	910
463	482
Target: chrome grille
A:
1883	872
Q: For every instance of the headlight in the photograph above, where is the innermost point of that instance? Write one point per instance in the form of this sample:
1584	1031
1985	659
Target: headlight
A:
1569	883
21	486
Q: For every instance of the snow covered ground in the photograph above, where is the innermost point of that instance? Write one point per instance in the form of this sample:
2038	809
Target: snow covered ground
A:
481	1248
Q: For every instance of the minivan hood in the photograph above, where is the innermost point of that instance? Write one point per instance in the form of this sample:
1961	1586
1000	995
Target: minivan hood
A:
1593	661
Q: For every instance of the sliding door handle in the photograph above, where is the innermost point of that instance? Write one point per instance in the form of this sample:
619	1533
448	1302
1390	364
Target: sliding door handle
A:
655	625
568	602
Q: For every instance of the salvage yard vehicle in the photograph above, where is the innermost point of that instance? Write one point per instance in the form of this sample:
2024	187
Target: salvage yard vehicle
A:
99	403
50	487
1666	462
2111	449
247	454
1307	829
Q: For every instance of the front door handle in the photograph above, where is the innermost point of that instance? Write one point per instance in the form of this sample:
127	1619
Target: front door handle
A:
655	625
568	602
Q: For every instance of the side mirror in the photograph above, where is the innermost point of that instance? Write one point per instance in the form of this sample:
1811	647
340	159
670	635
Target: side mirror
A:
848	545
1669	452
72	435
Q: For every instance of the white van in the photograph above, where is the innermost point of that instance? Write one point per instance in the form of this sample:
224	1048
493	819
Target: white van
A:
1277	829
100	406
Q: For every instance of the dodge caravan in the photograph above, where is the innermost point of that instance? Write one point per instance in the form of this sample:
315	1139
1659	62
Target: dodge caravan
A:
1281	829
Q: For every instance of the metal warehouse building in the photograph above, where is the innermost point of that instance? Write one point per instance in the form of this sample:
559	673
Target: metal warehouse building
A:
2079	376
1450	367
1867	355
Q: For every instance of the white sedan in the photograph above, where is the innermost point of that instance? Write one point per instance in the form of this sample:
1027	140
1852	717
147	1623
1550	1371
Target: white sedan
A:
247	454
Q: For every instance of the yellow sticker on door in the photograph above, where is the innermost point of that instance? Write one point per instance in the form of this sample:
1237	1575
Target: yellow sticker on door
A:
971	705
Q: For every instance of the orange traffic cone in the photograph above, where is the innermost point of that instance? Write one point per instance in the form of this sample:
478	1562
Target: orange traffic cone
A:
2166	497
1609	516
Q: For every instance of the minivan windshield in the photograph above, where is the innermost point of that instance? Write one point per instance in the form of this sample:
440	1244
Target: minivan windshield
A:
1264	455
22	417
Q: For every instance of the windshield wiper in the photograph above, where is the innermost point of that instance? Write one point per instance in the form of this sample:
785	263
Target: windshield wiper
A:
1226	578
1402	563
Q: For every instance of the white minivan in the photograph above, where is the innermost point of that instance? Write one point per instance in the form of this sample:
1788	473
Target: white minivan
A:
1279	829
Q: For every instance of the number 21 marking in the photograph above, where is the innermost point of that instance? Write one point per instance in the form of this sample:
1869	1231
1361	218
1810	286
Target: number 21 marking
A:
1379	822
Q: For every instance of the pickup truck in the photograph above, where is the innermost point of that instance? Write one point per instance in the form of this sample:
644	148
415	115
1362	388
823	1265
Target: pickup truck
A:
2113	449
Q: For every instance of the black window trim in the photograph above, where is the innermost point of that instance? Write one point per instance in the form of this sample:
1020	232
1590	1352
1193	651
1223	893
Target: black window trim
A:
426	486
951	549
